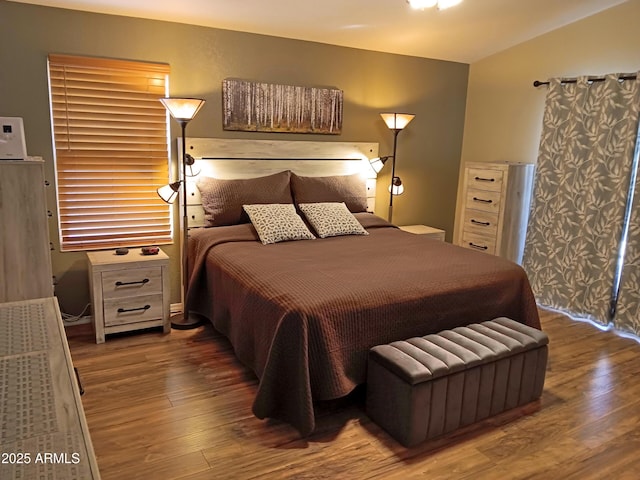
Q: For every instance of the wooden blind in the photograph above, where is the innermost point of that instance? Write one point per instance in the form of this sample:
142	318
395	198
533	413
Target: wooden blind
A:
110	135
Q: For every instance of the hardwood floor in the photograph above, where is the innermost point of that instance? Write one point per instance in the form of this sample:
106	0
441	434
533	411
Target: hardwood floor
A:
178	406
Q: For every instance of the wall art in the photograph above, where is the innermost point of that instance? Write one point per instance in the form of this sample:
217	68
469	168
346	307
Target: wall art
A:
266	107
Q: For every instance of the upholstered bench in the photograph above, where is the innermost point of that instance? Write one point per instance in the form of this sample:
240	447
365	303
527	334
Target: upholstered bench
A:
428	386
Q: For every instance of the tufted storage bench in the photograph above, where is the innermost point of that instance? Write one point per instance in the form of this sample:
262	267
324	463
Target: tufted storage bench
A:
428	386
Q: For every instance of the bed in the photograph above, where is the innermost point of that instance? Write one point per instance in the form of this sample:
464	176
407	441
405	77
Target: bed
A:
303	314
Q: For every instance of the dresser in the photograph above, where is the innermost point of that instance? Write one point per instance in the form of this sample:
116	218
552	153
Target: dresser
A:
43	432
128	292
25	256
495	211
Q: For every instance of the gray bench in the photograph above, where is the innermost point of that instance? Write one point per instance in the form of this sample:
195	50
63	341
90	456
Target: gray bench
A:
428	386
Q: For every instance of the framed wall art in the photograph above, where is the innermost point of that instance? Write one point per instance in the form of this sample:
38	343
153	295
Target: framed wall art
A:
266	107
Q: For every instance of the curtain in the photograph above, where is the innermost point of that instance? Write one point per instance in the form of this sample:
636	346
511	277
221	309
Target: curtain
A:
580	194
627	316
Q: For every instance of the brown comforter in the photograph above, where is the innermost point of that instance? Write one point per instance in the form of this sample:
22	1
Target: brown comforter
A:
304	314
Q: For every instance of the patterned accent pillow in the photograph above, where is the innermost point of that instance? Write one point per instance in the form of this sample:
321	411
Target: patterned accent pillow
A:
331	219
277	222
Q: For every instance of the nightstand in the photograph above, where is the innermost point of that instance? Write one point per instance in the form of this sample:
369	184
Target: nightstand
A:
128	292
431	232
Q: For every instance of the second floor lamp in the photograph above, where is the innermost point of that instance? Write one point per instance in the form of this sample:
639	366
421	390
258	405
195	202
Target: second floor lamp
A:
396	123
182	110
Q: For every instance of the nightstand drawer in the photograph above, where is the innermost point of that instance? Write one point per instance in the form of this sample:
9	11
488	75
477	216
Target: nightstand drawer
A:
480	243
124	311
484	200
485	179
132	282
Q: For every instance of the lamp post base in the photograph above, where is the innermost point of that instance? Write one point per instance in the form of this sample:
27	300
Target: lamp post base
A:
180	322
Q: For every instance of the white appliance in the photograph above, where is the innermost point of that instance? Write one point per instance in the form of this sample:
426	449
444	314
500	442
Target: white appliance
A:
12	144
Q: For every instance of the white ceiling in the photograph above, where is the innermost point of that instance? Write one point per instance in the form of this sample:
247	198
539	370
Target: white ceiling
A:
465	33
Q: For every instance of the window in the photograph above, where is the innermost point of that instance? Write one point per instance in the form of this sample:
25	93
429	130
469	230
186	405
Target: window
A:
111	151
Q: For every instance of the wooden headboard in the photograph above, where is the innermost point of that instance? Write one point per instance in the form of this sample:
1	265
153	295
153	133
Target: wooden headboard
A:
231	158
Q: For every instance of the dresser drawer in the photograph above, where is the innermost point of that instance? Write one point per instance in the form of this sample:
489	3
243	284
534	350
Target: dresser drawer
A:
480	243
123	311
132	282
481	223
485	179
483	200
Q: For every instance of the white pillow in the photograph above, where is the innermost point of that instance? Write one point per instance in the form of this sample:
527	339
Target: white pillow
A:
331	219
277	222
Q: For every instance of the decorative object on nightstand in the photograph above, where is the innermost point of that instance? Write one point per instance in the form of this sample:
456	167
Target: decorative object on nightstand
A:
495	211
396	122
128	292
182	110
430	232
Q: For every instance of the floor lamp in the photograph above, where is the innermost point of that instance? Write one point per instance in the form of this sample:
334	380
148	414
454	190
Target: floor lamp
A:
396	122
182	110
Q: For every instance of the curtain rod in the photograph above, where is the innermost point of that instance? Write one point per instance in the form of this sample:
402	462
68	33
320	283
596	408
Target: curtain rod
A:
538	83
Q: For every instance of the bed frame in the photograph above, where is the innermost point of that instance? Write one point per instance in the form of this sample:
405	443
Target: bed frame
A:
235	158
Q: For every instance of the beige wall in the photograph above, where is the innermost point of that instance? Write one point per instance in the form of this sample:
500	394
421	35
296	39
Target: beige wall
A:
504	111
200	58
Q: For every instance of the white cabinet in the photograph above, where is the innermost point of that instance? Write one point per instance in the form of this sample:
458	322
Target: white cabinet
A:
496	200
25	256
128	292
430	232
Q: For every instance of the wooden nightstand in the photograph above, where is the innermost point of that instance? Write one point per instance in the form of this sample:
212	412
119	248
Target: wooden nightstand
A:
431	232
128	292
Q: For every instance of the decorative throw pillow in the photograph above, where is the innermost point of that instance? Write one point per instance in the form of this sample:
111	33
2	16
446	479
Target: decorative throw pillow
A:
331	219
277	223
350	189
222	200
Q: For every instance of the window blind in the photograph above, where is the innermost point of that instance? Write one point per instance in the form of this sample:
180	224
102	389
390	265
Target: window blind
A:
111	151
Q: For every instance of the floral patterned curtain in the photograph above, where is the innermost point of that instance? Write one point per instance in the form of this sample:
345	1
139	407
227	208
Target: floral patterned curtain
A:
580	195
627	316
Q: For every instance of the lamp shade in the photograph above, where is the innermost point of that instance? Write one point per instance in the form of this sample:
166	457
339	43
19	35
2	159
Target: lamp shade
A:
192	170
397	121
398	188
377	163
169	193
182	109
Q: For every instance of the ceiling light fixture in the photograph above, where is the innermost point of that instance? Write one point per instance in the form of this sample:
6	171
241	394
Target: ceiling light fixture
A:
442	4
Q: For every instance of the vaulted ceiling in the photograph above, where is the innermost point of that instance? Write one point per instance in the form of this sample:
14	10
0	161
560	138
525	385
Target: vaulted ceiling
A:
465	33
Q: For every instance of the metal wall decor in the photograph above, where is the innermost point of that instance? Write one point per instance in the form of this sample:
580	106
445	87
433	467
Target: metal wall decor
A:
266	107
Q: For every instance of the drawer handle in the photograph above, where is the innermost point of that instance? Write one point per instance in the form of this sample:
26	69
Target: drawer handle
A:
476	199
141	282
479	247
480	179
476	222
80	388
125	310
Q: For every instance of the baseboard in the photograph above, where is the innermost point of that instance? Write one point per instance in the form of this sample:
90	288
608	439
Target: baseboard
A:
175	308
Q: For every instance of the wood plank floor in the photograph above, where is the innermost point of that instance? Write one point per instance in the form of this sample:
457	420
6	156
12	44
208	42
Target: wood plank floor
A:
178	406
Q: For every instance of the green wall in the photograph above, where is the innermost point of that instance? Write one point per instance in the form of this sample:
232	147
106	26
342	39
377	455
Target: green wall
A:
428	150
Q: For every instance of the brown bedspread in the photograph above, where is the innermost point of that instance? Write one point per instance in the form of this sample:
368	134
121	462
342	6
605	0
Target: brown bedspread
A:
304	314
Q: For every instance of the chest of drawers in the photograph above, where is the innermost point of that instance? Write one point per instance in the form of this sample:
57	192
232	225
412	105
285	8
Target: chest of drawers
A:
25	255
496	208
128	292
